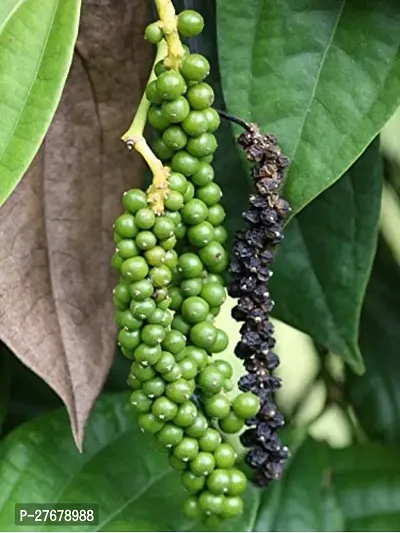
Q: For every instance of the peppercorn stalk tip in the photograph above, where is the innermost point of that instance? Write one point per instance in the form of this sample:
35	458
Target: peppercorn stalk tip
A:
169	26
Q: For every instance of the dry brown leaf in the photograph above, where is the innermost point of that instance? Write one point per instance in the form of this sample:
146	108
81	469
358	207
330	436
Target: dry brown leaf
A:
56	311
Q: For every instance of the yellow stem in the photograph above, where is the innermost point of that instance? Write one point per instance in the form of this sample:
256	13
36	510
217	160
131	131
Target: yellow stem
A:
169	24
133	138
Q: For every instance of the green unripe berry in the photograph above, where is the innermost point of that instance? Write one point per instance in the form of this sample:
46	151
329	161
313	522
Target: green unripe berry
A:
210	194
125	226
149	423
218	406
174	215
203	464
145	240
201	234
213	120
177	182
188	368
204	175
186	415
211	380
195	123
190	23
174	342
161	150
154	388
203	335
203	145
213	293
232	507
176	298
121	293
195	309
116	261
189	194
220	234
180	325
187	449
152	93
127	248
198	428
170	435
224	368
145	218
216	215
200	96
194	212
147	355
198	355
224	456
237	482
160	276
157	119
159	68
153	335
184	163
173	375
179	391
126	320
210	441
168	244
144	373
170	85
221	342
174	201
195	67
231	423
142	310
246	405
133	200
175	463
191	287
155	257
140	401
171	260
160	317
214	256
193	483
129	339
218	481
189	265
153	33
175	138
210	504
207	159
134	382
191	509
165	363
176	111
164	409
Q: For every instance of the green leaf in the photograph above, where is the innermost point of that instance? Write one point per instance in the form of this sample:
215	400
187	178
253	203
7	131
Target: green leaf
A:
322	75
37	39
376	395
122	472
322	268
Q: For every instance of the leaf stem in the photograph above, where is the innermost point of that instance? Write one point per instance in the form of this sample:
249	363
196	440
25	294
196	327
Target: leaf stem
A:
169	25
133	138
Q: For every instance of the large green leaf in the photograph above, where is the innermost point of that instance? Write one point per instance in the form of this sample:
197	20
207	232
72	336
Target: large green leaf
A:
37	38
376	395
323	490
322	75
322	268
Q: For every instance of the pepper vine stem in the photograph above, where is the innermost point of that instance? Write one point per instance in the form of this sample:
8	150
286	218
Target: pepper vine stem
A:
169	25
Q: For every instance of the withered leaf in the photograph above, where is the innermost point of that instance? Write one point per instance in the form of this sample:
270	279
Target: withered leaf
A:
56	311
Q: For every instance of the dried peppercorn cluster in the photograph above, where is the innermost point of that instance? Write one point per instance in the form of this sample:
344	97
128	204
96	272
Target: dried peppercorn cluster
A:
253	254
171	290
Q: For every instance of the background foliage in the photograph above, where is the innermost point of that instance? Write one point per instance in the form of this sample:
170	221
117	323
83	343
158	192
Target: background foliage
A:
322	75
